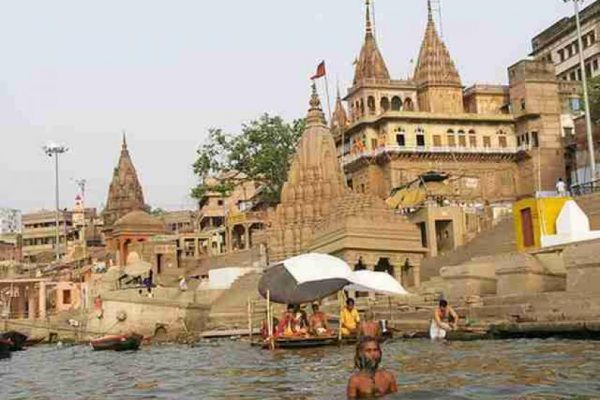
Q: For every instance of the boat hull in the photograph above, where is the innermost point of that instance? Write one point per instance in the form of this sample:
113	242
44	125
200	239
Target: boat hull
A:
117	343
17	339
5	346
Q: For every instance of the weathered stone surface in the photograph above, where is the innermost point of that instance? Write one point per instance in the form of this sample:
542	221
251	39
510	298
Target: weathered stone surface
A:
583	267
523	273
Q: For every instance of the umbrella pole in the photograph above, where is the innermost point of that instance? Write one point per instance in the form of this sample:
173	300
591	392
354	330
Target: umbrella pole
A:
341	305
250	320
270	321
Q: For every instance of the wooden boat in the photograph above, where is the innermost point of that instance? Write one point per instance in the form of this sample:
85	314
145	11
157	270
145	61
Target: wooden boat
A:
5	346
33	341
16	338
299	342
118	342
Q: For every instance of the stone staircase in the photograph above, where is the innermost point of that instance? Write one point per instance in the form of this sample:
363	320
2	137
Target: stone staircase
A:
497	240
230	310
590	204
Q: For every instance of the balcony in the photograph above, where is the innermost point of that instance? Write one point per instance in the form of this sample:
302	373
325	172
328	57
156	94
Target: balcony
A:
394	149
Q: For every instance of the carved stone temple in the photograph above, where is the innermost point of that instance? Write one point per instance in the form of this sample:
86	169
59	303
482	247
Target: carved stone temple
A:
319	213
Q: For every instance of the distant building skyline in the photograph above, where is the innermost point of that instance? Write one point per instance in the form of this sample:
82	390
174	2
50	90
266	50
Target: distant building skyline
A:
170	75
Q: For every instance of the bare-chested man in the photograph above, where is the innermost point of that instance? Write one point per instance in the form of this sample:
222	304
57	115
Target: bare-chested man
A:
318	322
444	319
370	381
370	327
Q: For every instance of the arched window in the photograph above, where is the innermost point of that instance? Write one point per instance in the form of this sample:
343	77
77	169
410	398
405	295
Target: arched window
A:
362	107
371	104
451	138
408	104
450	131
396	103
385	104
462	139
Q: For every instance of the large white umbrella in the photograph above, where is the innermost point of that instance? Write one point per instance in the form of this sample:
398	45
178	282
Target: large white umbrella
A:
305	278
378	282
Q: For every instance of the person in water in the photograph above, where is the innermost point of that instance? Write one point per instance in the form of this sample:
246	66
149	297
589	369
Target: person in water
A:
370	380
318	321
370	327
350	319
444	319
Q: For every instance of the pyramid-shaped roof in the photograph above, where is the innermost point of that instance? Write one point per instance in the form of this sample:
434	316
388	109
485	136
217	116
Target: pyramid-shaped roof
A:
435	66
370	64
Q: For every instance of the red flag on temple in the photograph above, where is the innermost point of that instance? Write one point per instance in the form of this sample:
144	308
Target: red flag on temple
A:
321	72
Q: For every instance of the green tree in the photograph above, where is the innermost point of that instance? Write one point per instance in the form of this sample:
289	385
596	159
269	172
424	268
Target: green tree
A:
594	96
260	153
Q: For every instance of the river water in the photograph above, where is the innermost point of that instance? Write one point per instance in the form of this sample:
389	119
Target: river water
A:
515	369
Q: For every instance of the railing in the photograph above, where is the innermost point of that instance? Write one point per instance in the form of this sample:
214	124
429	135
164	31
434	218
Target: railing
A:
430	149
581	189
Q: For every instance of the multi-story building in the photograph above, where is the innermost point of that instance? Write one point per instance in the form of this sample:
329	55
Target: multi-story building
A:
558	44
10	221
39	234
495	142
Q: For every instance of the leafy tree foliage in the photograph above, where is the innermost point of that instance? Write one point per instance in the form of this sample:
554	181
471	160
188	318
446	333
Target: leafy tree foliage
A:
260	153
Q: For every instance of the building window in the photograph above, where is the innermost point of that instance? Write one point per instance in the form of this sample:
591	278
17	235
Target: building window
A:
374	144
385	104
568	131
396	103
451	141
462	139
487	142
420	140
519	141
595	64
66	296
437	140
472	141
522	104
575	104
502	142
400	140
534	139
219	202
572	76
561	55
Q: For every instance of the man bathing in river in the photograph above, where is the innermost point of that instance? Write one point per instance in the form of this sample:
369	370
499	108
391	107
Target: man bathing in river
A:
370	381
444	319
370	327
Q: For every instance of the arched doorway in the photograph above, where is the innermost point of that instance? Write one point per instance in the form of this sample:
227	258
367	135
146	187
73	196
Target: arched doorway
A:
383	265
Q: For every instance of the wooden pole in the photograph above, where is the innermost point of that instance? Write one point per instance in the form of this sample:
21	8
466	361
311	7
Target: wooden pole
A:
250	320
341	305
270	321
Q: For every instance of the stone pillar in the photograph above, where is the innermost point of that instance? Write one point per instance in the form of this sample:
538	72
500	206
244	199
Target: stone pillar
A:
246	237
417	275
431	235
31	304
42	300
196	248
228	240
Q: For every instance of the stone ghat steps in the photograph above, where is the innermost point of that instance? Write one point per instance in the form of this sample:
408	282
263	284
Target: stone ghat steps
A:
236	297
590	204
497	240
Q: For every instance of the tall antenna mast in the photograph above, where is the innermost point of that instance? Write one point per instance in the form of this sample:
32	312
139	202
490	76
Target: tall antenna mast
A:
373	16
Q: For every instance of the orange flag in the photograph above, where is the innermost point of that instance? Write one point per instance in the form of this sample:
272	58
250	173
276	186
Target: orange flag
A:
321	72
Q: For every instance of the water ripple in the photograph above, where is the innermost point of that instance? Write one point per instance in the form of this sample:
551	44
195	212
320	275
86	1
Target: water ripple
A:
518	369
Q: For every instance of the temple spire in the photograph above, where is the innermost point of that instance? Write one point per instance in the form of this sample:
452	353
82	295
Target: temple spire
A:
315	112
429	12
369	25
124	144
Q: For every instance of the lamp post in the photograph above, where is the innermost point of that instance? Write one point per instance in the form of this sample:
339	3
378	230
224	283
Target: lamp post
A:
81	183
53	150
586	99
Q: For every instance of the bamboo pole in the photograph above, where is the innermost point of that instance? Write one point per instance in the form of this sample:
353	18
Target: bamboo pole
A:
341	305
270	321
250	320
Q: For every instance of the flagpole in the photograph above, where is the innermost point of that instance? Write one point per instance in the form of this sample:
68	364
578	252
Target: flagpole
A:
327	94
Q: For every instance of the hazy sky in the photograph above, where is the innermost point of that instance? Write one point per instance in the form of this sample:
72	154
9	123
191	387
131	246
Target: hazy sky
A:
79	72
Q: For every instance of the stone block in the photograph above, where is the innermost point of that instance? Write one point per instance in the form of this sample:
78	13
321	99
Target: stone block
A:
524	274
476	277
583	267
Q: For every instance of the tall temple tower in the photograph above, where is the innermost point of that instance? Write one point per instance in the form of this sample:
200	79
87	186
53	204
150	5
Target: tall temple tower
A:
438	81
125	192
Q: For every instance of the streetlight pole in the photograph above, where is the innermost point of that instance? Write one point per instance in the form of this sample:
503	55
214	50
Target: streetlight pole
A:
81	183
586	99
53	150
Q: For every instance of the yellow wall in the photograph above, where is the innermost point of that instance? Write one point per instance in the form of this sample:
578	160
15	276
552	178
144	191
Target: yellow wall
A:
544	213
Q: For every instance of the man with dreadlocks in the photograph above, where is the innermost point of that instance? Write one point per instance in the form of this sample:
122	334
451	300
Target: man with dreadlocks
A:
369	381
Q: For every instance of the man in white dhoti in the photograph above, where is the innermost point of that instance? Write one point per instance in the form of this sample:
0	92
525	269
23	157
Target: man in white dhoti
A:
444	319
